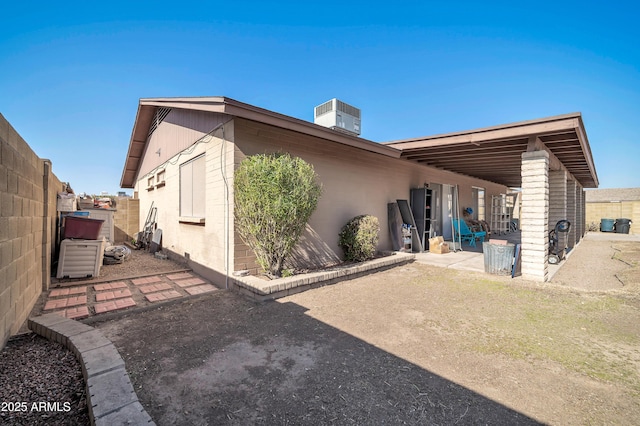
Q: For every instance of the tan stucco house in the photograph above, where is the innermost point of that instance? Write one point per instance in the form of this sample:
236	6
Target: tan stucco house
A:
183	153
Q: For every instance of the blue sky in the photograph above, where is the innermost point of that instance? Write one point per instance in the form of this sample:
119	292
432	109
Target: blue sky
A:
71	73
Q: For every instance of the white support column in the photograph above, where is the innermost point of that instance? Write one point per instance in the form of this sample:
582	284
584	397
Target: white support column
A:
534	220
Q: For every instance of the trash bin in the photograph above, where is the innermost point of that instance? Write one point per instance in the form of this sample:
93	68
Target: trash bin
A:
606	225
498	258
622	226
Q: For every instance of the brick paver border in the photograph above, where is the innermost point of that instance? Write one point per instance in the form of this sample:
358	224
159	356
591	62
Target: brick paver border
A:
190	281
151	288
77	313
179	276
164	295
110	295
65	303
200	289
147	280
110	286
114	305
70	291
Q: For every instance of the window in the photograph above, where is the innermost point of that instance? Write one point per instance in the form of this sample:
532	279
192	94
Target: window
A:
192	188
160	179
150	184
479	204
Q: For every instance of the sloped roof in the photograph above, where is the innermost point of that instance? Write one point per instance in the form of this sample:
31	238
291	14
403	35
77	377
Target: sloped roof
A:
612	194
231	107
492	153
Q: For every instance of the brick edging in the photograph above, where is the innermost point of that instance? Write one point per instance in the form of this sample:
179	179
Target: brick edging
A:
259	289
110	395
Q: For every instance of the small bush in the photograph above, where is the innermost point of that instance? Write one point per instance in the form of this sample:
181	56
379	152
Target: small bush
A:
359	238
274	196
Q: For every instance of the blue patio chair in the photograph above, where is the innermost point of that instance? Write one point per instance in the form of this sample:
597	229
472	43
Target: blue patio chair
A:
463	232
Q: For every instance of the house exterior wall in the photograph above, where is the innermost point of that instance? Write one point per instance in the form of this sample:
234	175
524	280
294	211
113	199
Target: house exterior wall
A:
177	132
28	191
208	243
354	181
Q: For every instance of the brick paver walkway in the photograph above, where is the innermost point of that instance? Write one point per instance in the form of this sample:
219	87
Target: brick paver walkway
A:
82	301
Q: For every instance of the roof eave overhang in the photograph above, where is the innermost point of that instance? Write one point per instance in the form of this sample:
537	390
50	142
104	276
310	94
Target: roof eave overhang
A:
524	130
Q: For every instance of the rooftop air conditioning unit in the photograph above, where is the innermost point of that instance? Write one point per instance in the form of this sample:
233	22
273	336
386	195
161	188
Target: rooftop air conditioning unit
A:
338	115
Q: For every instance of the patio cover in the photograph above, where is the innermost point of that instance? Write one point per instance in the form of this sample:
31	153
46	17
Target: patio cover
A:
495	153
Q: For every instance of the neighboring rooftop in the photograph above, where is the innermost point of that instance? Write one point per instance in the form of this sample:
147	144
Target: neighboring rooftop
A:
612	194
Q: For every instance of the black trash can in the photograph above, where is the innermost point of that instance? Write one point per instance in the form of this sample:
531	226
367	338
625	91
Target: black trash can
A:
623	225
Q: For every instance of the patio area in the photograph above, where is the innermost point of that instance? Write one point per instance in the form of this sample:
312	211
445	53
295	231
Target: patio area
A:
472	258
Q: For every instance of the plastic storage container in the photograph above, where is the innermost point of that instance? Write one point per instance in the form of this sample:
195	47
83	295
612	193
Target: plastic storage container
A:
623	225
606	225
82	228
80	258
498	258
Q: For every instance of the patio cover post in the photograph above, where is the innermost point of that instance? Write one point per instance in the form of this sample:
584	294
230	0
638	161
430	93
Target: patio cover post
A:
535	215
572	212
558	200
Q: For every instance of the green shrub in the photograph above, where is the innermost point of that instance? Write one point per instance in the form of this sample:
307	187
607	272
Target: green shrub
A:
359	238
274	197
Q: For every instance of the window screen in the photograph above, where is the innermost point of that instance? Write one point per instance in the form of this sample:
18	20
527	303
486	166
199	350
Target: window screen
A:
192	188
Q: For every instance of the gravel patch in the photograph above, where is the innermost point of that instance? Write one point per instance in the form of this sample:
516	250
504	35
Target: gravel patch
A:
42	384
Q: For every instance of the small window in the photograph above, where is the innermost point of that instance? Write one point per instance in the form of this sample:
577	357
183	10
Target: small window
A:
192	188
150	184
160	179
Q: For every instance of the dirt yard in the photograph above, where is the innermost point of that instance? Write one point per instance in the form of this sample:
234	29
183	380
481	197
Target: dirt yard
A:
412	345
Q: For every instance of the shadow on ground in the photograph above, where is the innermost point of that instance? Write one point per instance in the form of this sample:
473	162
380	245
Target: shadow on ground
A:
225	360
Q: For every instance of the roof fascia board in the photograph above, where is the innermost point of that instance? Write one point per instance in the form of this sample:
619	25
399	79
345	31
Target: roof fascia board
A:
312	129
250	112
487	135
586	149
138	128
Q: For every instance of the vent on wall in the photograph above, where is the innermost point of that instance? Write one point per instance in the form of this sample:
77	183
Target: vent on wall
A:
338	115
161	114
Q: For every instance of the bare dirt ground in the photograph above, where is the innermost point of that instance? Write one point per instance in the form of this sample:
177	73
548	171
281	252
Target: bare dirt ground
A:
138	264
412	345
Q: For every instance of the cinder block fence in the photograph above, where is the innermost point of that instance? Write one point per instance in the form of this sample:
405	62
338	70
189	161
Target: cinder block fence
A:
28	190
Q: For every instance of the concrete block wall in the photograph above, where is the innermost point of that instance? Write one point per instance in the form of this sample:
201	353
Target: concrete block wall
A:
625	209
126	219
28	191
534	221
